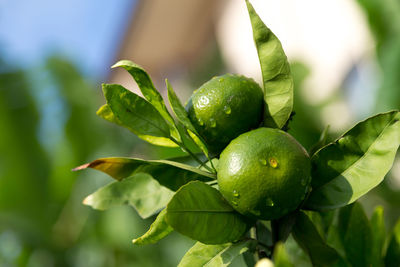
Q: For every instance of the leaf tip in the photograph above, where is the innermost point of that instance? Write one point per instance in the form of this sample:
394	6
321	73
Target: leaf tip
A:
88	201
118	64
81	167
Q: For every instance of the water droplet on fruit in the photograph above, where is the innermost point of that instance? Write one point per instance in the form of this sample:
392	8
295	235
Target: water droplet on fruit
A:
270	202
234	202
213	123
263	161
273	162
236	194
227	110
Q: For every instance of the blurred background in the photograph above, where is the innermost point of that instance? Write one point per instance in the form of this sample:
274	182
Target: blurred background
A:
54	55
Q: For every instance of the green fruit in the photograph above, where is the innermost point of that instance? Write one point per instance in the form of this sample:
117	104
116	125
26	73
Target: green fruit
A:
225	107
264	173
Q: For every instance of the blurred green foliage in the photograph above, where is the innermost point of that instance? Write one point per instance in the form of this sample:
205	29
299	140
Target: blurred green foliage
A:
48	126
42	219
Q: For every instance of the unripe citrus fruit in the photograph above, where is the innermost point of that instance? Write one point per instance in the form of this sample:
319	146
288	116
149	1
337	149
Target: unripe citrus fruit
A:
264	173
225	107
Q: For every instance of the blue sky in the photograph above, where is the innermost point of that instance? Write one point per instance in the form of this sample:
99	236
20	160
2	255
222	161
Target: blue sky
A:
88	32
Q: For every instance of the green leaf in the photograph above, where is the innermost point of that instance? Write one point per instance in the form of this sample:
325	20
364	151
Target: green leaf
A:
249	258
158	230
263	233
135	112
309	239
183	118
355	233
106	113
214	255
170	174
280	256
392	258
149	92
275	69
199	211
285	225
348	168
140	191
378	236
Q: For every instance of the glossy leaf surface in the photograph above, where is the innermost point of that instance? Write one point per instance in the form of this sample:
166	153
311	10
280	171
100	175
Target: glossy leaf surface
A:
135	112
275	69
309	239
214	255
140	191
148	90
199	211
170	174
348	168
158	230
106	113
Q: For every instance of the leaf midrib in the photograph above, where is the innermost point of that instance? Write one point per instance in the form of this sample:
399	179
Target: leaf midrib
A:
364	155
150	122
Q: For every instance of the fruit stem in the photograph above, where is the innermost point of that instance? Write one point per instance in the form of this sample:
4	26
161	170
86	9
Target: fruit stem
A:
185	149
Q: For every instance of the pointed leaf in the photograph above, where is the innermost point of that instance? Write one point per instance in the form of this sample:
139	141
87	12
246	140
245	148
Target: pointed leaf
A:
158	230
275	69
168	173
148	90
214	255
200	212
392	258
105	112
355	233
183	118
135	112
140	191
280	256
309	239
348	168
378	236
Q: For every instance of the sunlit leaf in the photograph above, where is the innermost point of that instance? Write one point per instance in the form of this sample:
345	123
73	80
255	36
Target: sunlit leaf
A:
309	239
200	212
275	69
214	255
148	90
140	191
105	112
158	230
348	168
168	173
135	112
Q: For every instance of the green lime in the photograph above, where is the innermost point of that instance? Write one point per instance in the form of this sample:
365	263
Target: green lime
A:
225	107
264	173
